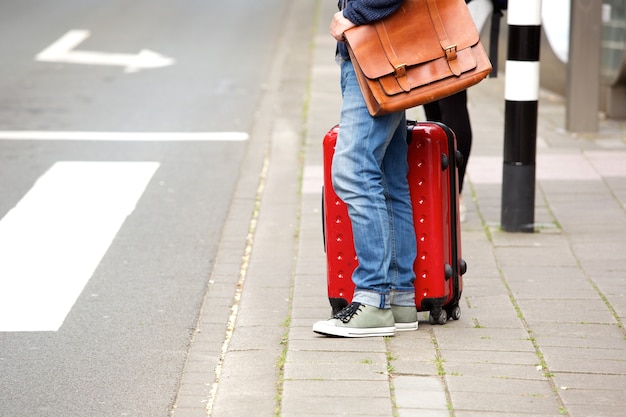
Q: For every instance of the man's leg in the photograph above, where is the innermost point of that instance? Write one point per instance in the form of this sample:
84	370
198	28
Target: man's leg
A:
404	246
359	181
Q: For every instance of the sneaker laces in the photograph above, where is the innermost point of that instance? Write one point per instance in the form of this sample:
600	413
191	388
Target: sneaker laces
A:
347	312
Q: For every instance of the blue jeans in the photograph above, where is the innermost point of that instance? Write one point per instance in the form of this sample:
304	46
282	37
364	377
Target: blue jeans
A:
369	173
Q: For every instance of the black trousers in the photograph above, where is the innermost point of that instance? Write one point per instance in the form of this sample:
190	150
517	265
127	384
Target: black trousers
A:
452	111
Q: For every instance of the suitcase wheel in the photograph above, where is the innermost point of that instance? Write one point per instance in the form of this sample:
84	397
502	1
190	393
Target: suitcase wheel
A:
441	316
455	312
438	317
337	304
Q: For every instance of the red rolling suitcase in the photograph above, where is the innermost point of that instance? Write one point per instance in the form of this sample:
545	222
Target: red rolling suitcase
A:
433	182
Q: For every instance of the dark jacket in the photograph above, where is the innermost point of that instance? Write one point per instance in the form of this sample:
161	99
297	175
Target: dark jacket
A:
361	12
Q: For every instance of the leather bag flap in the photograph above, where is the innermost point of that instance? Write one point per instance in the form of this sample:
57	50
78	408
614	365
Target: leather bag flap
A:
412	38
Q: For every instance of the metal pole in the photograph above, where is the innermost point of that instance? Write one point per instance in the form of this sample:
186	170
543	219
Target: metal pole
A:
583	74
521	95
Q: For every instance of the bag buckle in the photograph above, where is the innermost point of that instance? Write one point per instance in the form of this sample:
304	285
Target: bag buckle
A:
400	70
451	52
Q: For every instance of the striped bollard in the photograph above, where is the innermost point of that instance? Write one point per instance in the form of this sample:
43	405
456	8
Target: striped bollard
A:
521	95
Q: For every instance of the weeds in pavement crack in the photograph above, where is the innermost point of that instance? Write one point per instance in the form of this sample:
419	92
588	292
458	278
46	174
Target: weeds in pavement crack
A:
280	365
392	390
243	271
439	361
542	362
542	365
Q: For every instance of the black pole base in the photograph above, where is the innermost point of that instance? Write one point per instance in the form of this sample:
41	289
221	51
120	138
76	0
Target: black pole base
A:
518	198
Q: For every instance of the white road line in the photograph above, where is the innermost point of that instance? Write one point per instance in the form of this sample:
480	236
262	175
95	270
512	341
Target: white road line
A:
63	51
124	136
66	43
52	241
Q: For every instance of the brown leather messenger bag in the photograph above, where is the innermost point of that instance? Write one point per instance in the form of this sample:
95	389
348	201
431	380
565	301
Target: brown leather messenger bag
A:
426	50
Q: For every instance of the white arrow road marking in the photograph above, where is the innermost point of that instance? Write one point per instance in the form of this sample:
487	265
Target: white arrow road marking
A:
124	136
63	51
52	241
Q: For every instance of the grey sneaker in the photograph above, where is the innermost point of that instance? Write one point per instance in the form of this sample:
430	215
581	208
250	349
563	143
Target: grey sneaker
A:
404	317
358	320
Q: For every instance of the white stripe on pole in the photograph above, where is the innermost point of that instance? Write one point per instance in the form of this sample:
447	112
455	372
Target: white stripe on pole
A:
524	12
522	81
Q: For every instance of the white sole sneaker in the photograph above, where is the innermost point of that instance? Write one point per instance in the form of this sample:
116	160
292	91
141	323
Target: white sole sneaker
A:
330	328
405	318
406	327
358	320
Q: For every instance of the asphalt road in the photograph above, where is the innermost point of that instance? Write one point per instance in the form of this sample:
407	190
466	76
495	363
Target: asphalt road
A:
77	125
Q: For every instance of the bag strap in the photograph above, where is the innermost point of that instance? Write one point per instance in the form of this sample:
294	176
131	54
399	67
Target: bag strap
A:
448	47
398	66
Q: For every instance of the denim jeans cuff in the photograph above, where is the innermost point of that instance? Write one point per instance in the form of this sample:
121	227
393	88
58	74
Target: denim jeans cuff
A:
402	298
372	298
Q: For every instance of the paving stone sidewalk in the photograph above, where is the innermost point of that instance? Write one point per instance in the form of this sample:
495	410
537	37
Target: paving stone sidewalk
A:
541	332
542	326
